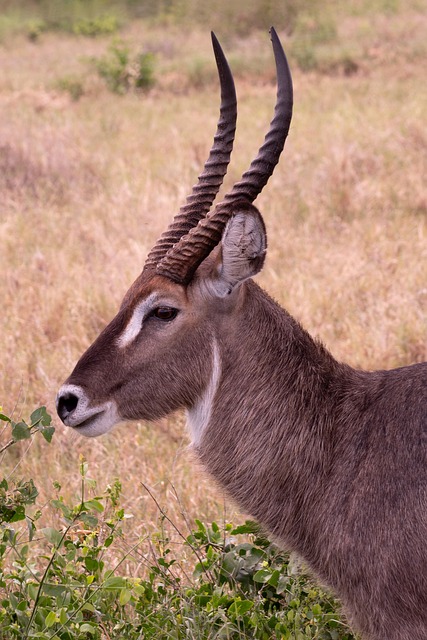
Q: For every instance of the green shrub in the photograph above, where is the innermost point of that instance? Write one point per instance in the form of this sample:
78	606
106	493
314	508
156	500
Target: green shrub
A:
71	85
200	72
144	71
123	72
305	54
35	28
67	582
314	46
319	28
114	68
251	590
96	26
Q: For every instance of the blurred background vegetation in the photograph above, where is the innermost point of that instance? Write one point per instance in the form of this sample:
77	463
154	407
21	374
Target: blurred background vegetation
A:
329	36
240	16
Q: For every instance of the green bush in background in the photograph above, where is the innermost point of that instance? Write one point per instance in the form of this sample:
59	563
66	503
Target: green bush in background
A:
123	71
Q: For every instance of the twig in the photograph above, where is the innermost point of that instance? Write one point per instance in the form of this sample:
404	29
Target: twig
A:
194	549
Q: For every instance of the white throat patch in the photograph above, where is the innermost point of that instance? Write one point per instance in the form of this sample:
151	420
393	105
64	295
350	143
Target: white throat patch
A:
199	415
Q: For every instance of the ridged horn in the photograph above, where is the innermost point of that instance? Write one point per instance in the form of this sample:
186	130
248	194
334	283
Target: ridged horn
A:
262	167
181	262
204	191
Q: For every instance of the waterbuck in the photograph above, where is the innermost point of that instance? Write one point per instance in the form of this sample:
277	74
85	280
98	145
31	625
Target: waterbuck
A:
331	460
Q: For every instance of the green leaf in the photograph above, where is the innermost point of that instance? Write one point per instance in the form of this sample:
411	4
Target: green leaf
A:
200	525
263	576
67	512
87	628
249	527
53	535
198	570
88	519
50	619
16	514
94	504
114	582
240	607
125	596
63	616
4	418
40	416
55	590
83	467
274	578
31	528
20	431
282	584
32	590
91	564
47	433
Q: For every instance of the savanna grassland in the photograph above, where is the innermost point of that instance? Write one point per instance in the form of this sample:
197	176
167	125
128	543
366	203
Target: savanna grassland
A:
90	177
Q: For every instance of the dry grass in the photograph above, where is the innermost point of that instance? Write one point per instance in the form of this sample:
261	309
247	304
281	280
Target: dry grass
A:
86	188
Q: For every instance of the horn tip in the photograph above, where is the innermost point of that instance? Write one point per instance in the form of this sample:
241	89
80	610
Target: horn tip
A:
281	60
215	41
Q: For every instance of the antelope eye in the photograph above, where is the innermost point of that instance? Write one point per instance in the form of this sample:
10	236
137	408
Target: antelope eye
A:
164	313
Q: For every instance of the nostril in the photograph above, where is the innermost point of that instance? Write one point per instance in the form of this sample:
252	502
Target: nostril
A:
66	404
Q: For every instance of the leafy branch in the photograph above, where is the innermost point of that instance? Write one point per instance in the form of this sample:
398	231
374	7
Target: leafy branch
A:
40	421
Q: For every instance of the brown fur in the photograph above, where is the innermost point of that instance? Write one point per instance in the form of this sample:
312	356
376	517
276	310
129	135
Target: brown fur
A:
332	460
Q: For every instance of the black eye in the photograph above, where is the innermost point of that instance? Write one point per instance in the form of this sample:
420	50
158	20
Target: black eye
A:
164	313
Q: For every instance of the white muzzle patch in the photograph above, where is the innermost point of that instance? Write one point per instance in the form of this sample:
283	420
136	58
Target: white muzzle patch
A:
89	421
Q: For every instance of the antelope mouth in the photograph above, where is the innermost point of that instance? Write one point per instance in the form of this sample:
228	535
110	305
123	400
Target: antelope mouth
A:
73	407
91	420
99	422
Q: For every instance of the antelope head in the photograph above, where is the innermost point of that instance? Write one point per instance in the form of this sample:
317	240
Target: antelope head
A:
162	351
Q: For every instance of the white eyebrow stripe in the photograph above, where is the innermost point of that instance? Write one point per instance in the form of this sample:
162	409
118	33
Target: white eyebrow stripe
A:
134	325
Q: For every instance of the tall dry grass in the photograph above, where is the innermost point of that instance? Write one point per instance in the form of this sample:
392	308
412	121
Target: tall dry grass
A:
86	187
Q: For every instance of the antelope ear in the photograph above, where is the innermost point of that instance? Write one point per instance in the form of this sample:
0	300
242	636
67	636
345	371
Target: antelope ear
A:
242	250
